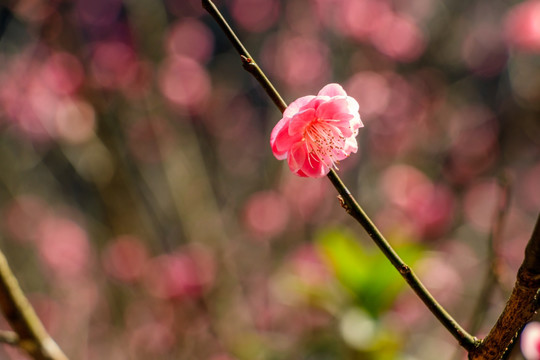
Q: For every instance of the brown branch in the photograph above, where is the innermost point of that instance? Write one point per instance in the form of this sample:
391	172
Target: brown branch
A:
32	336
347	200
521	305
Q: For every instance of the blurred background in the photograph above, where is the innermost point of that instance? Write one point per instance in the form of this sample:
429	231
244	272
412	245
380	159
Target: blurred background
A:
146	218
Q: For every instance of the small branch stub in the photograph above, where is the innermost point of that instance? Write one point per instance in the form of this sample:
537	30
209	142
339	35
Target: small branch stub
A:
246	59
344	204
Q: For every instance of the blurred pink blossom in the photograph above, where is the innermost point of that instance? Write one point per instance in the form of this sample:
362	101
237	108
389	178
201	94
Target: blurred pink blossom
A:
23	216
441	277
266	213
191	38
474	146
255	15
308	264
306	198
530	341
184	82
115	65
399	38
125	258
362	18
40	97
63	73
63	246
372	90
523	26
400	183
480	203
299	61
316	132
184	274
393	34
428	206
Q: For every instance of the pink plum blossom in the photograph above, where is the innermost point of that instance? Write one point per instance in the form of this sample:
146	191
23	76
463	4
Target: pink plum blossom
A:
316	132
530	341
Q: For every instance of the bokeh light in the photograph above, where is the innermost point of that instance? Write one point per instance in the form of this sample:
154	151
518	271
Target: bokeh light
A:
144	214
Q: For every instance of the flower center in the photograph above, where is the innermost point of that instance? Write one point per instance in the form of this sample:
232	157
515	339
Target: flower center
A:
323	141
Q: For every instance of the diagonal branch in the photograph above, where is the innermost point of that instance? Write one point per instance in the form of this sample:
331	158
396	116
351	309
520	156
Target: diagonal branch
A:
31	335
348	201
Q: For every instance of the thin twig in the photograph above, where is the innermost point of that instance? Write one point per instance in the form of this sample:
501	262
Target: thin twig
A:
9	337
492	271
353	208
247	60
33	338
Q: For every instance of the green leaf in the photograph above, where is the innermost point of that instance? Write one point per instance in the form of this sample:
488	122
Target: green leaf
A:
365	271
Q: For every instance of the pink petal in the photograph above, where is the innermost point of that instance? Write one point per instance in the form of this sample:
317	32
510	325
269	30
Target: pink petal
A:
316	101
337	116
279	154
315	168
344	124
277	128
284	141
530	340
300	121
331	108
297	105
279	132
297	157
353	105
356	123
332	90
351	146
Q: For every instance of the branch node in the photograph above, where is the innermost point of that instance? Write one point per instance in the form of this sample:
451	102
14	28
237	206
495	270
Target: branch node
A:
247	60
404	269
344	204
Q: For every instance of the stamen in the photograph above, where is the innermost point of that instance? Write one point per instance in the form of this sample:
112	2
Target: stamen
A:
322	140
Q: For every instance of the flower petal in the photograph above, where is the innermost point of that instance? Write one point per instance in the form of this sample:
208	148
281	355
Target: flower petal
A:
300	121
316	101
317	131
332	90
314	168
331	108
277	128
284	141
297	157
351	146
279	131
297	105
356	123
353	104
